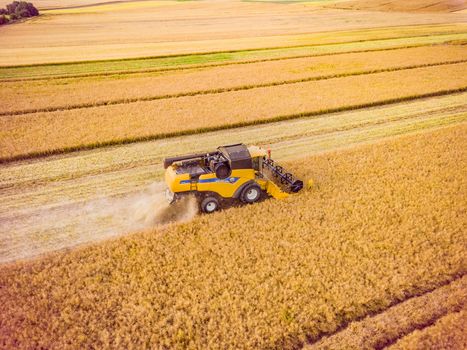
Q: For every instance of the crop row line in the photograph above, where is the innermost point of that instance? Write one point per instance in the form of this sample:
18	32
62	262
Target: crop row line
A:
205	53
428	323
439	312
223	90
130	140
208	65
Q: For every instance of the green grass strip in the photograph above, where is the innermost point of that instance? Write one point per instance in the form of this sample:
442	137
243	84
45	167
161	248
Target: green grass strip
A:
191	61
223	90
130	140
222	51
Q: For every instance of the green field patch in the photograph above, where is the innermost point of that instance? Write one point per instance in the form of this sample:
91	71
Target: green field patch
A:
138	65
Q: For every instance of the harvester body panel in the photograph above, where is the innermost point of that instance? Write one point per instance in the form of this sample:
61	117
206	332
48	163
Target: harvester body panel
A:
225	187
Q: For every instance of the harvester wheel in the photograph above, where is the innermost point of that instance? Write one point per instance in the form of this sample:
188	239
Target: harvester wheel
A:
251	193
209	205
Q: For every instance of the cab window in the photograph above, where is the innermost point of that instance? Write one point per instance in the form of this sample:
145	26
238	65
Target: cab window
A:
255	163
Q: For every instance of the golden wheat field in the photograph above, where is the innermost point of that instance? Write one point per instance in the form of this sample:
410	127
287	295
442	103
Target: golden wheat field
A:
405	318
448	332
84	189
227	279
364	100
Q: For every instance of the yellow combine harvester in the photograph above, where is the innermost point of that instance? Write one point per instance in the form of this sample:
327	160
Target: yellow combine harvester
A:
233	172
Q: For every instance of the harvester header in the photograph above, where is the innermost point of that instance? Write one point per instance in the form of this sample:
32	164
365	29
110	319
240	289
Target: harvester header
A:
231	173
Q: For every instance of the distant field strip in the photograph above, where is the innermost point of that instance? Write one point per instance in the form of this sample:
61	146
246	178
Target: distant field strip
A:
110	6
381	330
272	275
27	185
296	41
111	67
67	94
38	134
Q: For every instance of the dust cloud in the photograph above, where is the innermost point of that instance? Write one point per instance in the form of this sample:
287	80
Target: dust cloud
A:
69	224
138	211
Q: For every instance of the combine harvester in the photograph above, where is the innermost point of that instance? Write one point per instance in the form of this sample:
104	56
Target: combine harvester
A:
233	173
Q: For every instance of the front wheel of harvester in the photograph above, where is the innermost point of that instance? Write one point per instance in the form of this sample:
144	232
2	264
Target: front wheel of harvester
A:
251	193
209	205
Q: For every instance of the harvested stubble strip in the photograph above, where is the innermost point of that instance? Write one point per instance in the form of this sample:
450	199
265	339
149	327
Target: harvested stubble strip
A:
450	332
142	154
42	133
383	223
381	330
65	94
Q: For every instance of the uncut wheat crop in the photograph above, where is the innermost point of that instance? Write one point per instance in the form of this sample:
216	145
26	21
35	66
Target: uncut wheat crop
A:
272	275
450	332
399	321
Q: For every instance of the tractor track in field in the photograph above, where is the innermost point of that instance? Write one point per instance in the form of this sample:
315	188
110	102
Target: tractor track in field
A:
223	90
68	200
382	329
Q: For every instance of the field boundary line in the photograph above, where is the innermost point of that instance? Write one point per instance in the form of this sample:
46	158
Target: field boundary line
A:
443	284
209	65
227	51
224	90
130	140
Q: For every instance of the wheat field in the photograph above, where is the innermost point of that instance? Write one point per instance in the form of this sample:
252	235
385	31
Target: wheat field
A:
78	189
402	321
369	104
337	43
447	333
196	284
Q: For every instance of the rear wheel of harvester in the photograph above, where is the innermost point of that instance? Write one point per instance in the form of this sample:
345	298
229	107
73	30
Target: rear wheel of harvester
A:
251	193
209	205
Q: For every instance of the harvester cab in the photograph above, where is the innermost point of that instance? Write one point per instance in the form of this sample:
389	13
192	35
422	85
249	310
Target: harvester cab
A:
231	173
